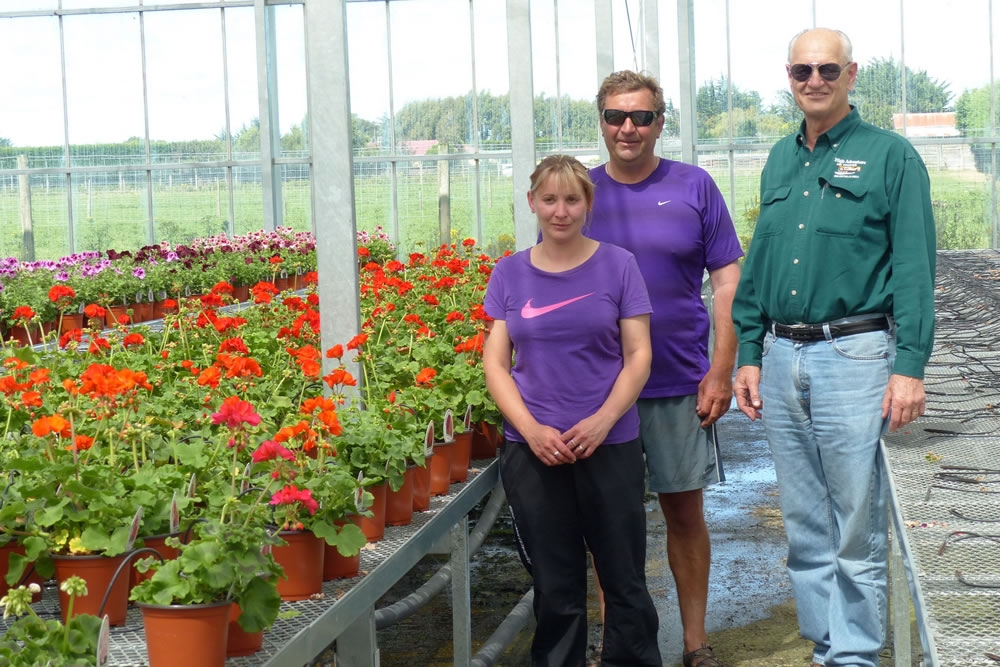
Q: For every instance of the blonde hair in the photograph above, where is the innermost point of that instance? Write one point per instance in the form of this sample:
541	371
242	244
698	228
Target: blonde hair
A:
627	81
567	169
846	49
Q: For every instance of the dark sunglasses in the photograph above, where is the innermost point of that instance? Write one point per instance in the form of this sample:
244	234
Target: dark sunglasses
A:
638	118
827	71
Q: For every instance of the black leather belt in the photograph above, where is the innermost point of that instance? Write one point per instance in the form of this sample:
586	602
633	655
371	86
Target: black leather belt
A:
810	333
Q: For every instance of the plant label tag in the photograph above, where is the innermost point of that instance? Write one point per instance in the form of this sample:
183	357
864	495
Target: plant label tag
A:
191	485
467	420
449	426
429	440
359	495
245	484
175	515
133	532
104	641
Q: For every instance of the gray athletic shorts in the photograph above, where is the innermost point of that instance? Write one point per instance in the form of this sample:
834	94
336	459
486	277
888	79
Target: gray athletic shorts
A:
680	454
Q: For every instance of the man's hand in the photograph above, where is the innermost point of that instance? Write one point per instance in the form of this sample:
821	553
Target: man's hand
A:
747	391
904	401
715	395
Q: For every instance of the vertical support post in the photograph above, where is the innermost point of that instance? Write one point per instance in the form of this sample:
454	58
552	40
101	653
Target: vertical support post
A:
685	52
444	198
24	199
900	601
604	34
357	645
461	599
522	117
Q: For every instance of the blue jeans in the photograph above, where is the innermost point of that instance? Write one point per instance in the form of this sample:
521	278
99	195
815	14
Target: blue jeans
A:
822	412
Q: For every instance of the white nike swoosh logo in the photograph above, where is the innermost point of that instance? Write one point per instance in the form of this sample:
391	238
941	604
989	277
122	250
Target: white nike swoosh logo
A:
661	203
528	311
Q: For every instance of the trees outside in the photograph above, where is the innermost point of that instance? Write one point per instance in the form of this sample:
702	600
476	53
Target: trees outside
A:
878	92
5	142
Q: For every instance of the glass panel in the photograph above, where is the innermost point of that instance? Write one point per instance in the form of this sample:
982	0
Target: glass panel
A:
373	195
48	216
109	210
189	203
496	196
248	200
185	86
492	75
88	4
104	85
417	200
432	106
295	197
577	76
25	5
763	110
368	56
290	48
241	60
31	112
962	207
669	80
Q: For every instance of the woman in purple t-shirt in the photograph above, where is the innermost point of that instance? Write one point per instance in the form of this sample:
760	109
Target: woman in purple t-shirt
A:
567	353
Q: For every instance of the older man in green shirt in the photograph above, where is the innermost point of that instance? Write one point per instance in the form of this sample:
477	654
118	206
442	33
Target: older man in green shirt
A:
834	315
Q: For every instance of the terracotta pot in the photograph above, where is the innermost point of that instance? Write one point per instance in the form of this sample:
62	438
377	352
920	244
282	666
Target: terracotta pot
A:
241	642
99	573
29	576
336	566
190	635
158	309
241	293
374	526
484	441
460	455
142	312
399	504
302	560
157	542
283	284
19	335
440	466
421	485
116	315
70	321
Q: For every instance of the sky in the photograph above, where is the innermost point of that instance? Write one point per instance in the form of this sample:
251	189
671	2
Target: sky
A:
432	56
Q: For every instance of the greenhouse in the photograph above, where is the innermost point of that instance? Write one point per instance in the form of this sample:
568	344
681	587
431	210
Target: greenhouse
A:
246	250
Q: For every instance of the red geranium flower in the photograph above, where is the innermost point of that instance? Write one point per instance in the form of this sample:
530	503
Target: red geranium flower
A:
271	449
235	412
291	494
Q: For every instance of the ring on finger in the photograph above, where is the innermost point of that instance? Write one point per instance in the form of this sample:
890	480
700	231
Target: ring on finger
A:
555	453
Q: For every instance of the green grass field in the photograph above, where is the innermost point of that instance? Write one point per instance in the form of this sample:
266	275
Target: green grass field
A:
116	217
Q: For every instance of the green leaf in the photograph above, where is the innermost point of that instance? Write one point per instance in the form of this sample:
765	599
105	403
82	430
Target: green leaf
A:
259	603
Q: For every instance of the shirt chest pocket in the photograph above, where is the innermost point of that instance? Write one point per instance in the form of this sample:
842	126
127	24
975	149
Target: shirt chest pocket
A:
842	207
772	202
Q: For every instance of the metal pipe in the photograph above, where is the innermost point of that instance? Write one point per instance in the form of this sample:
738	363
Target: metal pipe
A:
503	635
412	603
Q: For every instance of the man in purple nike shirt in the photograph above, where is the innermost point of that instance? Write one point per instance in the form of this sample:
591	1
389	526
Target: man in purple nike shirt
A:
673	218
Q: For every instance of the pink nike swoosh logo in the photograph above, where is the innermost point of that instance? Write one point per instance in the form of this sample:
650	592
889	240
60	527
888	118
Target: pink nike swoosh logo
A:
528	311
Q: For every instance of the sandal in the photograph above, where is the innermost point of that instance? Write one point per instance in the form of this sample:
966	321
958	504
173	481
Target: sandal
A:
702	657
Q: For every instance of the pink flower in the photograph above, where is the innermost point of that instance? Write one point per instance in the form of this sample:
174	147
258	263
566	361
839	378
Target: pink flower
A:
270	450
291	494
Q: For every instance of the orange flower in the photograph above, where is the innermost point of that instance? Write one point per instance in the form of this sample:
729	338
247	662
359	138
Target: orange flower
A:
335	352
210	377
425	376
81	443
23	313
97	344
357	341
340	377
61	295
93	311
133	340
52	424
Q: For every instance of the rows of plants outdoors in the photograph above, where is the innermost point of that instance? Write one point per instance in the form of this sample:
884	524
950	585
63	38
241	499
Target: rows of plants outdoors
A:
220	428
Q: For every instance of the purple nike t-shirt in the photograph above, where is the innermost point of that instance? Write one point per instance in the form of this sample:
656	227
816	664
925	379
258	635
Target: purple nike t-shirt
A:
565	334
677	225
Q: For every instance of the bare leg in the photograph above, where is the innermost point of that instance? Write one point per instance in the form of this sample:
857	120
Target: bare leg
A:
689	555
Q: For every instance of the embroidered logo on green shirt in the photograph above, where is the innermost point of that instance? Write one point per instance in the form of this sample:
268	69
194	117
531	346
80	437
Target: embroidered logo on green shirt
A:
848	168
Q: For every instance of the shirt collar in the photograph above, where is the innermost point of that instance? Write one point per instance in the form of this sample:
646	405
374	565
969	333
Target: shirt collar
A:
835	134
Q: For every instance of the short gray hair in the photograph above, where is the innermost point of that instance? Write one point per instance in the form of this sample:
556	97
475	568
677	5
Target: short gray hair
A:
845	43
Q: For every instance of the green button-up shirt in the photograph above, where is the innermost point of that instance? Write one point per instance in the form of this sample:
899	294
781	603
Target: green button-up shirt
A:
845	229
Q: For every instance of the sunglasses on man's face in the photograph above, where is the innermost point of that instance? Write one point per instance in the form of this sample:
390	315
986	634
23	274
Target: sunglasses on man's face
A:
638	118
828	71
